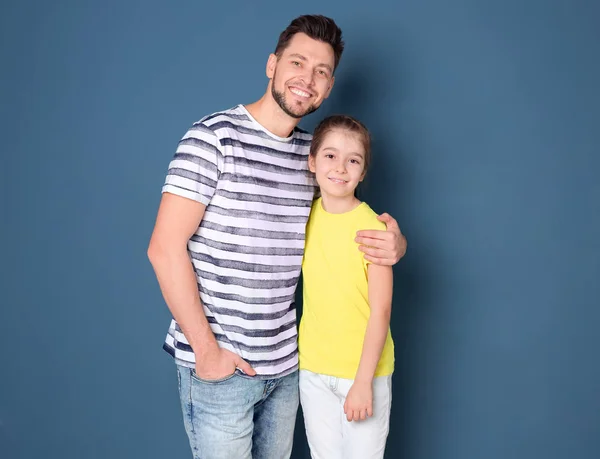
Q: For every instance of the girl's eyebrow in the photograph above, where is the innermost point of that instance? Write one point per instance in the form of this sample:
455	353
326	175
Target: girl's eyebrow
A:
354	153
357	153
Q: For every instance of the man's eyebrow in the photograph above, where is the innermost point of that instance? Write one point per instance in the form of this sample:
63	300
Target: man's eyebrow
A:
302	58
298	56
327	66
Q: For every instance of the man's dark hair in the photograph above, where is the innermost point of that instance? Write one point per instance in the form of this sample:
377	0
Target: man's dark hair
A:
316	27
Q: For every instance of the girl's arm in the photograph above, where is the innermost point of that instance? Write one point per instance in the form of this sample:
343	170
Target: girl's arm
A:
359	402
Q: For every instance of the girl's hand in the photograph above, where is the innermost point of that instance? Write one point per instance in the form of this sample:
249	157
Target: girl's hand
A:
359	402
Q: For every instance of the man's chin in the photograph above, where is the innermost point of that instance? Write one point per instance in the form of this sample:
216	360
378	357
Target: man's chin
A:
301	113
293	111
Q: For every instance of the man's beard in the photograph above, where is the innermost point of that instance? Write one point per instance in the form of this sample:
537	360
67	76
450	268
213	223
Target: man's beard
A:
280	99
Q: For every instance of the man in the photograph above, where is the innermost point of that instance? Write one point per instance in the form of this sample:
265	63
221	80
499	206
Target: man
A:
227	251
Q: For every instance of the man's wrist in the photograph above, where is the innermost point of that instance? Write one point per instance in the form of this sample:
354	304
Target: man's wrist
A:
205	350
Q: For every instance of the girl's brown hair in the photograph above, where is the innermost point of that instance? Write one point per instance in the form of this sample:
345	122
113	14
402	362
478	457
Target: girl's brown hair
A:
344	123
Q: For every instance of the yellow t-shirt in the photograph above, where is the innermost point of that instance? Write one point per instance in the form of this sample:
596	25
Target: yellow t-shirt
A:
335	291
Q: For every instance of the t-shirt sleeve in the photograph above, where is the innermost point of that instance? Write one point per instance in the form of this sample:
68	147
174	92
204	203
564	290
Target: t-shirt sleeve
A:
372	224
194	170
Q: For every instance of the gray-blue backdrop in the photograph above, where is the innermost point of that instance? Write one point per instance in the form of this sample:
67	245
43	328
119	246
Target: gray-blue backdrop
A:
486	122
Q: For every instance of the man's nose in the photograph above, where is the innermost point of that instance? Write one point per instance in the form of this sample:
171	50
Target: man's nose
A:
308	76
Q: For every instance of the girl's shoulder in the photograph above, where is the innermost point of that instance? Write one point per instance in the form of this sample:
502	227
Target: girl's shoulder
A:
367	218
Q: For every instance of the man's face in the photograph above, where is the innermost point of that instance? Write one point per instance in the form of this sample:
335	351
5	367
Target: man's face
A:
302	77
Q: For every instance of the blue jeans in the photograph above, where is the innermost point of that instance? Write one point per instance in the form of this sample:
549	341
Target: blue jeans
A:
239	417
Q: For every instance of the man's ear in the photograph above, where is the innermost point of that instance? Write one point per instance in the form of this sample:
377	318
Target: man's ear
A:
311	164
271	64
330	88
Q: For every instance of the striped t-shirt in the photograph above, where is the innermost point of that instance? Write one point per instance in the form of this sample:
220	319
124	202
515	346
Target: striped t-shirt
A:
247	251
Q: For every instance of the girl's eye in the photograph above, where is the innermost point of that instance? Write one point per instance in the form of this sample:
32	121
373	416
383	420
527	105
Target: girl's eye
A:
328	155
355	161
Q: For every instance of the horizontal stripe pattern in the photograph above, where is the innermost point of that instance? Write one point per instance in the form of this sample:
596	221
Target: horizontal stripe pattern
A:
247	252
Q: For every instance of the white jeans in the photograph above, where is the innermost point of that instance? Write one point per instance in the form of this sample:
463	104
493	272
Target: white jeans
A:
329	434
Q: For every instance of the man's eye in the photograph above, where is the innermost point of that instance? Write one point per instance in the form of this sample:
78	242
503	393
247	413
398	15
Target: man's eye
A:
296	63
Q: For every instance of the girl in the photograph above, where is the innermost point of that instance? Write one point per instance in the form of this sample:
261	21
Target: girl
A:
345	346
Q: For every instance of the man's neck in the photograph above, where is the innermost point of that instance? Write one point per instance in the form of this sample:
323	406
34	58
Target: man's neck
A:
272	117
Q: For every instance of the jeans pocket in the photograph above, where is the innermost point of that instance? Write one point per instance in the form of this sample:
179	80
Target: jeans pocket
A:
210	381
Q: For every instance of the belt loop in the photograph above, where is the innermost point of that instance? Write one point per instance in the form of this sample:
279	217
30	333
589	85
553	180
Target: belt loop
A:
333	383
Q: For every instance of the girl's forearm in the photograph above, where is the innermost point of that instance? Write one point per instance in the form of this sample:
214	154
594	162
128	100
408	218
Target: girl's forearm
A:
375	337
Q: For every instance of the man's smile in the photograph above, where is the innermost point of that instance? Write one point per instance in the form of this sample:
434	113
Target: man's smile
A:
300	92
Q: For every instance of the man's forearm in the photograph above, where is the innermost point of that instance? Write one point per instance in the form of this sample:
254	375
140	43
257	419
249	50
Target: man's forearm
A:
179	287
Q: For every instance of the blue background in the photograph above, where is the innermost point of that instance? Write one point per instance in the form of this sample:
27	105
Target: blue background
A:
486	122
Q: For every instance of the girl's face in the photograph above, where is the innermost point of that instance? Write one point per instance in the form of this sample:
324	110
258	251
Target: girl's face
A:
339	163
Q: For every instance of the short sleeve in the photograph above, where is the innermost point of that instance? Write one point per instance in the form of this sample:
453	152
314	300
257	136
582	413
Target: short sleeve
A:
194	170
374	224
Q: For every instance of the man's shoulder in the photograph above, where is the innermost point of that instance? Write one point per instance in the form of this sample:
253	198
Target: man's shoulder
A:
233	115
303	133
225	125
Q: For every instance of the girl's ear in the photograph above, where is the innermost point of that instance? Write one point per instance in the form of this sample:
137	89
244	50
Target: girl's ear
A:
311	164
362	176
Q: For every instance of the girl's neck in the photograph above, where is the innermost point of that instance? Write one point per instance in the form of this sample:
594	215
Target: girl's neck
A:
339	205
